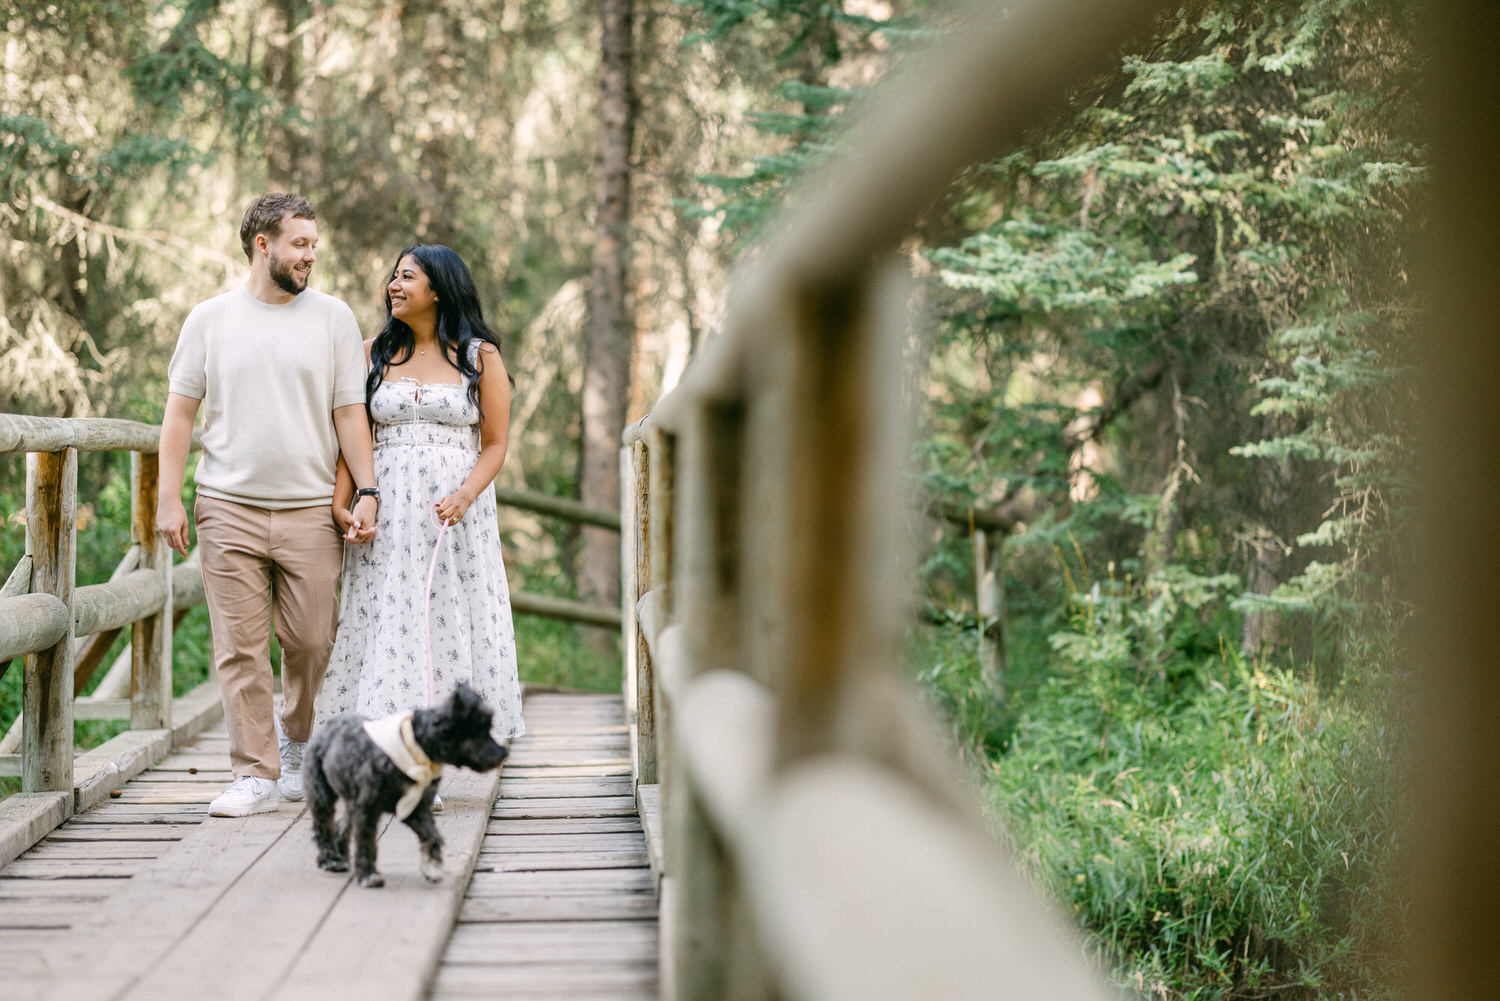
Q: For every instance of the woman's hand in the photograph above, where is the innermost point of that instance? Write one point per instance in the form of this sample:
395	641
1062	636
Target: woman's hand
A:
343	519
451	509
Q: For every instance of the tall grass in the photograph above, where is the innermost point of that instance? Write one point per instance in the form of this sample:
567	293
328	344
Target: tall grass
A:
1221	829
550	652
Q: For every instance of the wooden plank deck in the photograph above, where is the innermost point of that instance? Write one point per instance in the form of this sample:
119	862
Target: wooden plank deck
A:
143	896
562	904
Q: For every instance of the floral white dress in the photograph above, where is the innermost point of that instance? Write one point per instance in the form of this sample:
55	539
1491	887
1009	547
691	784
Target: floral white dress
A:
426	442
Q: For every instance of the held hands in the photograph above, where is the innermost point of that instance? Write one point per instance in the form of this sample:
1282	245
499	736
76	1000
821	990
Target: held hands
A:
172	523
359	524
451	509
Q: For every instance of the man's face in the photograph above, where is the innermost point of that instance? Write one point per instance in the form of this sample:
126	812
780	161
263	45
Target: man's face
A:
292	253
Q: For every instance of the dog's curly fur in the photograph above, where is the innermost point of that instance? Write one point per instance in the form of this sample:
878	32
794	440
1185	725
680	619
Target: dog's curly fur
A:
343	763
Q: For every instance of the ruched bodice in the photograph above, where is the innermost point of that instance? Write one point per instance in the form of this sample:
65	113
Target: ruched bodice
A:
436	414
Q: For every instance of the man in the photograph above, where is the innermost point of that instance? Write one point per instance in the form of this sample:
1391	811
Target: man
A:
281	371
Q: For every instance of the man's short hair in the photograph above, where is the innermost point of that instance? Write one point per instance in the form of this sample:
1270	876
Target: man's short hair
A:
265	214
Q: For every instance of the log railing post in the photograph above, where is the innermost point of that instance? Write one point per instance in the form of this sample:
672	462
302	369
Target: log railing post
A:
841	551
151	637
661	457
628	584
639	532
47	700
661	517
715	953
989	604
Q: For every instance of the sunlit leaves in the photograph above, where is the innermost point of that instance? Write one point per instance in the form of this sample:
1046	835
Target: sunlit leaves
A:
1040	267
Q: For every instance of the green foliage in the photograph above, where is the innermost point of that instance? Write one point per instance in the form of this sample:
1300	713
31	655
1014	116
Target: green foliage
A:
1025	265
946	660
1221	828
1192	287
551	652
811	40
28	146
1175	346
799	26
169	79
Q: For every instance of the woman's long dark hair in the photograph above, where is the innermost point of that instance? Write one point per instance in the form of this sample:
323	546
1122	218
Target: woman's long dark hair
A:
460	321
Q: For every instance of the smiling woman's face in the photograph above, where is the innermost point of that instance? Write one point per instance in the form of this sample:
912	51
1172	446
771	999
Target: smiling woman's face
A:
411	294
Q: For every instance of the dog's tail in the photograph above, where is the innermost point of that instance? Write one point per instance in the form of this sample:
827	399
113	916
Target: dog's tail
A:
320	794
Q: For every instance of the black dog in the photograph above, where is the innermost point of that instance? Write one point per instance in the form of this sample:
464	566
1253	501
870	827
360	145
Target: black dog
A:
345	762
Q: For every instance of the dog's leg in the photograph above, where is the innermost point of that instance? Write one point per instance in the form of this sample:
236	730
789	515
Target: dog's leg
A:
333	848
364	819
342	829
421	822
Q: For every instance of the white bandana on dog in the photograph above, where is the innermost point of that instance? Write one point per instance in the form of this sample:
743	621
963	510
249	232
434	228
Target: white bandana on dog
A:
393	735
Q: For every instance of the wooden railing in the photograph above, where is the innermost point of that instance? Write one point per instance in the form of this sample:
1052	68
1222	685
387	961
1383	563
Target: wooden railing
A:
817	841
63	630
578	513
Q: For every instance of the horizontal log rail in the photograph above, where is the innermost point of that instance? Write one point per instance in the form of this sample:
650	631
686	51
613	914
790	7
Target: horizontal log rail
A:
566	609
20	433
30	622
557	507
118	603
548	606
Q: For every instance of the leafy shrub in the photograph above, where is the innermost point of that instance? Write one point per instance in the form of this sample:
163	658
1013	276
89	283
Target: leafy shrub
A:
948	666
551	652
1222	829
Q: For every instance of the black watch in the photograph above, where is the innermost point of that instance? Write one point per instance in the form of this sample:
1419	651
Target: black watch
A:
366	492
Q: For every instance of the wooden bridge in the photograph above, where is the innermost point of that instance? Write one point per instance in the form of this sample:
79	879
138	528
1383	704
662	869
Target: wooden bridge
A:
812	842
548	891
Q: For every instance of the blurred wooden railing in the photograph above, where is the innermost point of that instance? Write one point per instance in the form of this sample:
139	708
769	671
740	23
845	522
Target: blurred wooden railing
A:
818	843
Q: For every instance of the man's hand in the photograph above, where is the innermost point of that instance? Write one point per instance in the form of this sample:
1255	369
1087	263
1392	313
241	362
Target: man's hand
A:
176	438
172	523
361	524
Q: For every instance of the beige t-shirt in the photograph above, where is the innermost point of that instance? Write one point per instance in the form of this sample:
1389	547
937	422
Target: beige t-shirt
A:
270	377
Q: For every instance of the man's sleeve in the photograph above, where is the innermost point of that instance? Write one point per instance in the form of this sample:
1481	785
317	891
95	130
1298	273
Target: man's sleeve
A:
187	373
349	362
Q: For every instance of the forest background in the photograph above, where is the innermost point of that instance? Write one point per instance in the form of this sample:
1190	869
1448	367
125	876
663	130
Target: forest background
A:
1166	377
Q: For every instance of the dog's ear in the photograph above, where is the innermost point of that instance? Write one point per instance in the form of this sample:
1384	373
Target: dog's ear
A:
467	703
455	702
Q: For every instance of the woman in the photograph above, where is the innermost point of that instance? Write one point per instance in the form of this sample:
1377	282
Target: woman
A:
439	401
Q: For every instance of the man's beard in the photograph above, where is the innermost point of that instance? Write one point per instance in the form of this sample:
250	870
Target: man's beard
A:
285	278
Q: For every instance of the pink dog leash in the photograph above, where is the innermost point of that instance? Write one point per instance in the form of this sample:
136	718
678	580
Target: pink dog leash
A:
442	528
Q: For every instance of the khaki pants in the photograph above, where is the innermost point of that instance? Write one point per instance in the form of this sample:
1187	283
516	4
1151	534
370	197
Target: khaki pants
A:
256	563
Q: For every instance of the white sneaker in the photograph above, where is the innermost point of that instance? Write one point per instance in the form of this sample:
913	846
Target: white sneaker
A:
245	795
290	783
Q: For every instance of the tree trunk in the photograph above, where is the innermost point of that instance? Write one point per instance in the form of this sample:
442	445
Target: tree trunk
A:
608	335
1262	630
284	146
